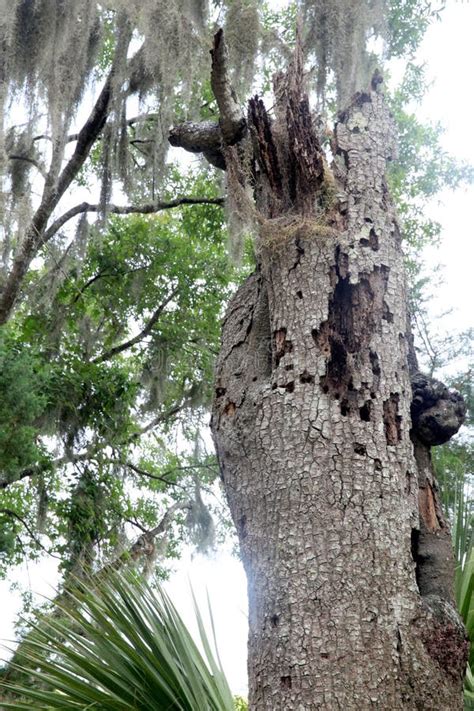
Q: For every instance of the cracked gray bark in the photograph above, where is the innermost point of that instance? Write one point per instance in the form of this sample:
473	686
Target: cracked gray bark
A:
328	482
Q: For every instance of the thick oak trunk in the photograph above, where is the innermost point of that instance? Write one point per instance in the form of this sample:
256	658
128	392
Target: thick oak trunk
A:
312	426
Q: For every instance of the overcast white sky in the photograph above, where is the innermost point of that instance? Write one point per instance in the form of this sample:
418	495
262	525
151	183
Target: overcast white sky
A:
448	50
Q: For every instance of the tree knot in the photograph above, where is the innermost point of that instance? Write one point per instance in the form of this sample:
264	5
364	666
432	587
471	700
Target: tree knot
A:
437	412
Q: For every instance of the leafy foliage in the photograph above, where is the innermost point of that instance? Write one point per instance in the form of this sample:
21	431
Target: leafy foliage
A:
24	382
122	344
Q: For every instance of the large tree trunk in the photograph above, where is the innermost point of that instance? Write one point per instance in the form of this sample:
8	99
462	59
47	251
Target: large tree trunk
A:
312	426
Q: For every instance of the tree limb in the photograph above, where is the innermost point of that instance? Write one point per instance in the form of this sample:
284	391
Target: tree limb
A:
53	190
231	120
140	336
32	161
93	450
207	137
149	475
145	209
51	196
13	514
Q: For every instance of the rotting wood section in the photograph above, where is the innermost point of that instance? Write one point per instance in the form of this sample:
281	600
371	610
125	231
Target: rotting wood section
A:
341	534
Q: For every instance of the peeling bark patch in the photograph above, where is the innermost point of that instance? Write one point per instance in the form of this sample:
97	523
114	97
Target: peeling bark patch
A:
427	508
392	420
230	409
281	345
285	682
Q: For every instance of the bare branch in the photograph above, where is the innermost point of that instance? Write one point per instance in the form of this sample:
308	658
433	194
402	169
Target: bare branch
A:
32	161
171	412
149	475
94	449
144	543
53	191
145	209
140	336
51	196
232	122
106	275
196	137
13	514
207	137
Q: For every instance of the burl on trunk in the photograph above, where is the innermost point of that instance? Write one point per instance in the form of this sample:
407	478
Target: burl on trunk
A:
326	471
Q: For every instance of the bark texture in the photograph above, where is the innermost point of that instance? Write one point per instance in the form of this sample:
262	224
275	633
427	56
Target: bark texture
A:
323	441
313	428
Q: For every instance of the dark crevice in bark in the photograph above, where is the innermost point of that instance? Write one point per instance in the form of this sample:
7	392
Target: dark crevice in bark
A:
299	254
415	539
392	420
372	241
265	151
365	412
282	346
241	526
355	314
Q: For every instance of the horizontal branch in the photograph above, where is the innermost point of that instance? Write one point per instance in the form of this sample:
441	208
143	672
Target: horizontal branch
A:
106	275
32	161
149	475
140	336
204	137
95	449
13	514
145	209
162	477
